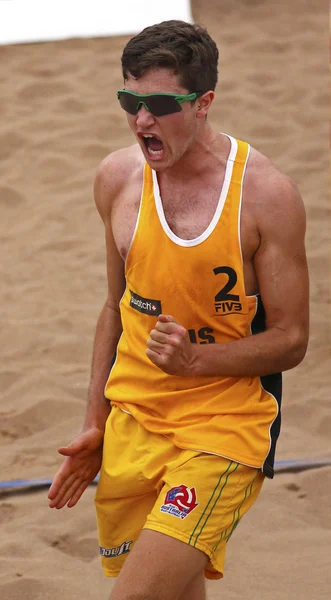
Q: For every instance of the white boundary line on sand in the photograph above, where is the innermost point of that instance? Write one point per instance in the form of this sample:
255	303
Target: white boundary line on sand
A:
44	20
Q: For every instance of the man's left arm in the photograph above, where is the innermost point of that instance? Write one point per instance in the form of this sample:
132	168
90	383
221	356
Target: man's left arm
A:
281	268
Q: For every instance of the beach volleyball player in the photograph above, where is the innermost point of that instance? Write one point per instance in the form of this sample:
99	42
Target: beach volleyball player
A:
207	305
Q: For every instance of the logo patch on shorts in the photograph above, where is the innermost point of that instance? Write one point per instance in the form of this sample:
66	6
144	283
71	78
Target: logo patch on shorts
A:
145	305
180	501
123	548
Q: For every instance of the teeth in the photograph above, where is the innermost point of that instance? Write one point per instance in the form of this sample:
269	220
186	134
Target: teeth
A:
148	135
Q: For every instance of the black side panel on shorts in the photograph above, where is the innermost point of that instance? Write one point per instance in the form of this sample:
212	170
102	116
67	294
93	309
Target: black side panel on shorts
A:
273	385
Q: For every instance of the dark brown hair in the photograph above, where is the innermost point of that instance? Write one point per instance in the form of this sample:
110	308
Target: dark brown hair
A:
187	49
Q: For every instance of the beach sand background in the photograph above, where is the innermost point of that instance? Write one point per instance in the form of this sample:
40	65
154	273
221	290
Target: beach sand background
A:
59	118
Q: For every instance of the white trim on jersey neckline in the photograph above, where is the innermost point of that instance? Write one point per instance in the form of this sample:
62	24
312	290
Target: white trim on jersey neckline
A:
223	195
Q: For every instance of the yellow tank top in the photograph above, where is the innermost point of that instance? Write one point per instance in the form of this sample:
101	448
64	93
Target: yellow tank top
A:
201	283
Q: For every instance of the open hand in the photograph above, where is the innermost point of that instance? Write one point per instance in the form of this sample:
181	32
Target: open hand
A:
80	467
169	347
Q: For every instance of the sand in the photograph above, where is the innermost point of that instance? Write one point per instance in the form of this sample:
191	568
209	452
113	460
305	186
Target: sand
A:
60	117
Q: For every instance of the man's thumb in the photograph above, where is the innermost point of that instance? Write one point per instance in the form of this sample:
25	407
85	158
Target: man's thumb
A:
72	448
167	319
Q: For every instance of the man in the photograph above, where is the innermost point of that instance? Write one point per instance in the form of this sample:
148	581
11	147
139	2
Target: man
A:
207	305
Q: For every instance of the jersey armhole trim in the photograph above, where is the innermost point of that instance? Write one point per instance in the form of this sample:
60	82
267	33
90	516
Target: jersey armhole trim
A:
240	203
138	219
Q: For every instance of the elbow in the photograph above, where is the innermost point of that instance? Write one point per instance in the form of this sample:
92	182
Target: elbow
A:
297	348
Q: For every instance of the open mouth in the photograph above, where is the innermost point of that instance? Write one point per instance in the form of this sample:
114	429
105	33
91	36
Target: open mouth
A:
153	146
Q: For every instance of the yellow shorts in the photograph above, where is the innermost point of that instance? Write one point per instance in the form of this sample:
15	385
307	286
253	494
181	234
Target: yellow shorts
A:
148	483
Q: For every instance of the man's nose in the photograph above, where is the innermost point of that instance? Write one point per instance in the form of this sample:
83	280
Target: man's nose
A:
144	117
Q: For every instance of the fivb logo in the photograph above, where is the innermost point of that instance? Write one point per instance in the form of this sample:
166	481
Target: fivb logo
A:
226	303
123	548
145	305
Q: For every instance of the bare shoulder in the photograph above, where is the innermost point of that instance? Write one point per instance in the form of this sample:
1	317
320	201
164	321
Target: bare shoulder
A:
119	171
271	196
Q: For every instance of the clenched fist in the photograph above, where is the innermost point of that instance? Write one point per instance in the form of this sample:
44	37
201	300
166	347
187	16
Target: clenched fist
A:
169	348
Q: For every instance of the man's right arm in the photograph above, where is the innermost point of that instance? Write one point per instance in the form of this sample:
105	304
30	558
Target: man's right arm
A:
84	454
109	327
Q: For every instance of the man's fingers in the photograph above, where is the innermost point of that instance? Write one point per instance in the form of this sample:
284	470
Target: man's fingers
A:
160	337
59	488
155	346
169	328
62	475
78	493
155	357
67	491
165	347
166	327
69	494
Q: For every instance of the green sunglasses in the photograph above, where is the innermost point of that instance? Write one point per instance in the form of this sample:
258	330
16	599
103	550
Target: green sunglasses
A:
159	104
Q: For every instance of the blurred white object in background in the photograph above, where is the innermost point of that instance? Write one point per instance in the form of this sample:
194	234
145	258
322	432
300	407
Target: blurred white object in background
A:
43	20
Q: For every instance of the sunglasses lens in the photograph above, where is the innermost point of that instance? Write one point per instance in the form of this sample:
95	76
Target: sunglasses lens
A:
158	105
163	105
129	103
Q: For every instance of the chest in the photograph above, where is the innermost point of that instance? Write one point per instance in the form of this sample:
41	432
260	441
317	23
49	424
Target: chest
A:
188	212
188	215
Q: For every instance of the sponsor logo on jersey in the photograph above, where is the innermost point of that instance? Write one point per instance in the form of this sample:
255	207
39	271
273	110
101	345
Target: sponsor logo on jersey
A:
227	308
145	305
123	548
180	501
227	303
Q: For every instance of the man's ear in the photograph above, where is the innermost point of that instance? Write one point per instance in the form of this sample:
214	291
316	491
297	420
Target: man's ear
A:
204	103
